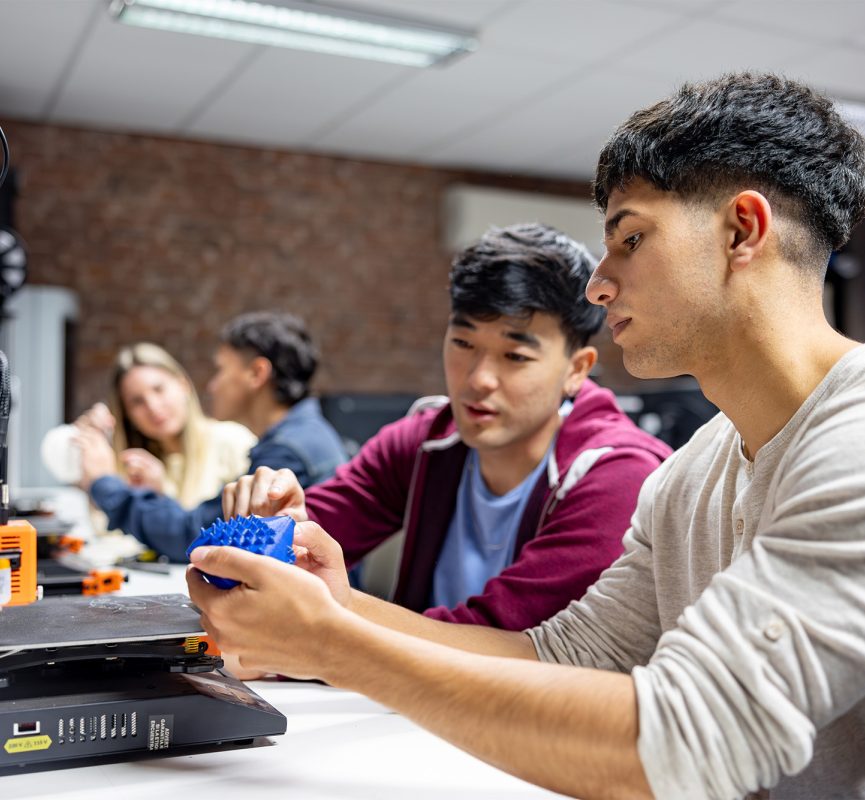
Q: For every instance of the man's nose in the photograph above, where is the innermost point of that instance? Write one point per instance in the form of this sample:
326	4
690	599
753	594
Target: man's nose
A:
601	290
483	377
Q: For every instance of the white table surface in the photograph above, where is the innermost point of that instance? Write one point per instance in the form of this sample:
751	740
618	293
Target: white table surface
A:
338	744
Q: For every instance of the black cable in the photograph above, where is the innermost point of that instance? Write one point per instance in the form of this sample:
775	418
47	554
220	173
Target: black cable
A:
5	145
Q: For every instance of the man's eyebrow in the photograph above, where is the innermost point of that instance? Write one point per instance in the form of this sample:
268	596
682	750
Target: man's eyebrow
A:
528	339
613	222
461	321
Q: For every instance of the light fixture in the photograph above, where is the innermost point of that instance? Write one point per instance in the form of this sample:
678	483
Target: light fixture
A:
303	26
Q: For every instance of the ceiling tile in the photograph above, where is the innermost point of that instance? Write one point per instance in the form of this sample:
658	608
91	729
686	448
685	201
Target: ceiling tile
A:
36	47
434	104
140	79
559	123
285	96
828	20
836	71
709	47
576	32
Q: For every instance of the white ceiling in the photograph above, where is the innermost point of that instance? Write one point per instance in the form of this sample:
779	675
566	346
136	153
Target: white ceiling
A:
549	81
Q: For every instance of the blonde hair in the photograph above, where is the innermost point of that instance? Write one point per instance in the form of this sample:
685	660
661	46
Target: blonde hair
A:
194	439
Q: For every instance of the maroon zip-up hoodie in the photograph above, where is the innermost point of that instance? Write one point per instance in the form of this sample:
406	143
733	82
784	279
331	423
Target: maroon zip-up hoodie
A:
407	476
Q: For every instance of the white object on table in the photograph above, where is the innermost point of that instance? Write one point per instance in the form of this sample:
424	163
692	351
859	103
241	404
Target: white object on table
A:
60	455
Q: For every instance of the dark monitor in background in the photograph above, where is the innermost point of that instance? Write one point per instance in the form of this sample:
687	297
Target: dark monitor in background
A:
359	416
672	414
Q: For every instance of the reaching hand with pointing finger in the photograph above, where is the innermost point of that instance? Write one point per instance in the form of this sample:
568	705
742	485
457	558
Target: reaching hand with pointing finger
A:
266	493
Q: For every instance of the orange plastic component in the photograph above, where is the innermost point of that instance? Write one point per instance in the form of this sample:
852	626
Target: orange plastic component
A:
102	581
71	543
212	649
18	544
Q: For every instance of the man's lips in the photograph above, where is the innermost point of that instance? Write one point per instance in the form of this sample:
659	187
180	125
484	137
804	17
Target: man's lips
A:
479	412
617	324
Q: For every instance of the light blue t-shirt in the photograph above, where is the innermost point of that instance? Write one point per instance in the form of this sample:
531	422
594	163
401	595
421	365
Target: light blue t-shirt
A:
481	535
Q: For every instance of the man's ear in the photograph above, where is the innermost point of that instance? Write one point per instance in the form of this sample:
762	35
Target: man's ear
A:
260	370
582	360
749	221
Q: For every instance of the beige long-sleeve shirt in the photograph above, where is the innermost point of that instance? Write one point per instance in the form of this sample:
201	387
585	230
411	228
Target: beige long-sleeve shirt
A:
228	446
739	608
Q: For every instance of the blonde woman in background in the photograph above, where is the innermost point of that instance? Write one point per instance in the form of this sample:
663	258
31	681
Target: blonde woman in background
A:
161	439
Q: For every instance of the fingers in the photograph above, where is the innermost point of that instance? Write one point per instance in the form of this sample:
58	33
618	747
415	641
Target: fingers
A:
141	460
271	490
242	491
320	554
259	491
236	667
286	496
229	502
267	493
139	453
87	432
202	595
99	418
320	545
91	441
234	563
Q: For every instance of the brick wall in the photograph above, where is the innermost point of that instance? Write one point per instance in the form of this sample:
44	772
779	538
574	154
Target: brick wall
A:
163	240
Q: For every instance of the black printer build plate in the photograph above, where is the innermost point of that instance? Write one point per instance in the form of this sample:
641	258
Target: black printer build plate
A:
104	619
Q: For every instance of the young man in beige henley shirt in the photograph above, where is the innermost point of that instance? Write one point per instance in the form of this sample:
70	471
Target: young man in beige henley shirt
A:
724	653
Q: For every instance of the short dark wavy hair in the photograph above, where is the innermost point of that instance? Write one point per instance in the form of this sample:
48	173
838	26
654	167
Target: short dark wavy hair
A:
519	270
744	130
284	341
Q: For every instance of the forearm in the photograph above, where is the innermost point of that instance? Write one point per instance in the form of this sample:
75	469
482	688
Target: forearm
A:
156	520
471	638
568	729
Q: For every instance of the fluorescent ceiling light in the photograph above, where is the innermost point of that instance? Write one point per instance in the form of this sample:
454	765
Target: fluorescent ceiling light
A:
303	26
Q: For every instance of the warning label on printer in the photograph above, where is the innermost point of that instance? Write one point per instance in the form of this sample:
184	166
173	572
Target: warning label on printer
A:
27	744
159	731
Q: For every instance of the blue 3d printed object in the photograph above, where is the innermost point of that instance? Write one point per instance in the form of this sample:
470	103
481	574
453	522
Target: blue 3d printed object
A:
267	536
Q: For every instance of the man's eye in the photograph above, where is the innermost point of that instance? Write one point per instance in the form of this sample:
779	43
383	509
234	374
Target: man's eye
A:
518	357
461	343
632	241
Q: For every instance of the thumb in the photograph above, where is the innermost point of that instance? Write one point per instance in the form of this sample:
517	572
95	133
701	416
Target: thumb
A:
322	547
232	562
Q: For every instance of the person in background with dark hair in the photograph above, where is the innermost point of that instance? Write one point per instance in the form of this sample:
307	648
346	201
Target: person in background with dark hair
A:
264	365
723	655
512	503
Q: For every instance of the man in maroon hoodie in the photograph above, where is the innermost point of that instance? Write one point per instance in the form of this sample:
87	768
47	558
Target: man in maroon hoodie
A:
512	503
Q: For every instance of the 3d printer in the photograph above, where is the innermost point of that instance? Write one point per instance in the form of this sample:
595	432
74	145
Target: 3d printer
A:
90	677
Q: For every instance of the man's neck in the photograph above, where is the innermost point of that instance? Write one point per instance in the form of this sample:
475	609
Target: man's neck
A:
764	382
264	412
503	469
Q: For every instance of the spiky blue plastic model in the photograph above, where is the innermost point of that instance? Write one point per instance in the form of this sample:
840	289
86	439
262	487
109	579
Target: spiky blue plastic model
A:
268	536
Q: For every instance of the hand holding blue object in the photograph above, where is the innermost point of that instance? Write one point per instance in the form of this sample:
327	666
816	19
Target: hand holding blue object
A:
268	536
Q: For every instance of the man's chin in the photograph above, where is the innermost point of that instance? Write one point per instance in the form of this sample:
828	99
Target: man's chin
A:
647	369
476	437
